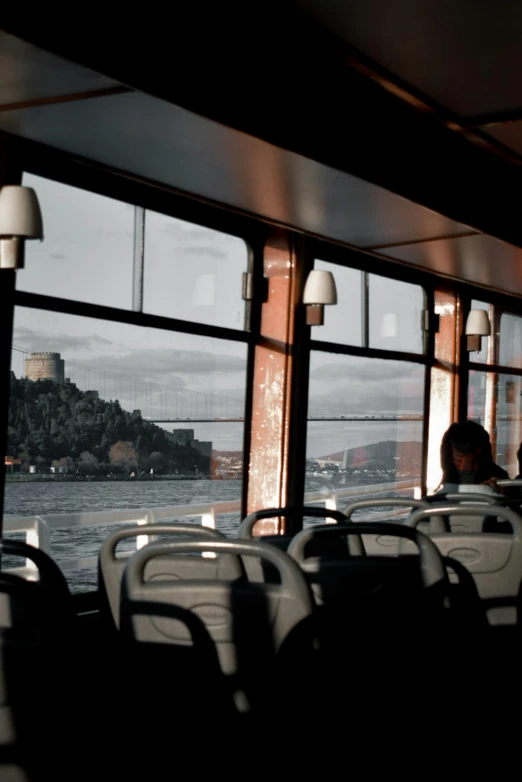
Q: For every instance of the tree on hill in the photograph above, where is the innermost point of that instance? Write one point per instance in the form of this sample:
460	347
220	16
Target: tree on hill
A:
123	455
58	424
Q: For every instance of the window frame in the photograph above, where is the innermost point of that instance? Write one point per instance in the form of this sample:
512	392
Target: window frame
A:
37	159
367	264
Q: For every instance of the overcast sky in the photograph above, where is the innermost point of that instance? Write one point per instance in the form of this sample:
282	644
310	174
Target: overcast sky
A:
194	273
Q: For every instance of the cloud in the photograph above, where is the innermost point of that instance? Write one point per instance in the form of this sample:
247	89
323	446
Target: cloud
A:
360	399
164	361
180	228
366	372
204	250
35	341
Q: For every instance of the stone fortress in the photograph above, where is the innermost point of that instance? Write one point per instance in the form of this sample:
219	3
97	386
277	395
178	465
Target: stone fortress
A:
45	366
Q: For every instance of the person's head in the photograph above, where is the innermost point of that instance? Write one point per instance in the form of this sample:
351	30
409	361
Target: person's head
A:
465	454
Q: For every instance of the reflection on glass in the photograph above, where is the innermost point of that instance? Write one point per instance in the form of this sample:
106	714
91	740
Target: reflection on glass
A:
395	315
510	348
113	416
87	252
365	422
507	391
342	322
482	356
193	273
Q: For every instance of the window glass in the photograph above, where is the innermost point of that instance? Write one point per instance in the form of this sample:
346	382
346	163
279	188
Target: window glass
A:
484	389
510	347
364	425
342	322
193	273
482	356
87	252
395	315
107	416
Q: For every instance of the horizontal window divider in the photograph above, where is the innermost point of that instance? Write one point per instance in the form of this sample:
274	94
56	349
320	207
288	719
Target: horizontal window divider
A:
500	369
352	350
100	312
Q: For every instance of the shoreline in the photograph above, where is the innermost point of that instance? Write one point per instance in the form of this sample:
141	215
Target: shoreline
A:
10	478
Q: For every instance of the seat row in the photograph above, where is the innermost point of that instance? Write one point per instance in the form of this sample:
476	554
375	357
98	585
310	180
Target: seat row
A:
249	626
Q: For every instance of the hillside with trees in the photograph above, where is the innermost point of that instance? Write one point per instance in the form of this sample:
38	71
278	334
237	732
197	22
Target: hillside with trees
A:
57	424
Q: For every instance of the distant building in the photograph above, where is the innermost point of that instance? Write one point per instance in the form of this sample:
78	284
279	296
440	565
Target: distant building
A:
183	436
12	464
204	447
45	366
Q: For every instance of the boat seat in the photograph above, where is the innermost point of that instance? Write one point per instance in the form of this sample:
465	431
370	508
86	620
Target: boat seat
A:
366	602
461	523
260	571
39	610
246	623
494	560
331	578
382	544
166	568
37	643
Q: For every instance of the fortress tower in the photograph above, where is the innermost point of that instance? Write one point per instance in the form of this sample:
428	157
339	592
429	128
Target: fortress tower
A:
45	366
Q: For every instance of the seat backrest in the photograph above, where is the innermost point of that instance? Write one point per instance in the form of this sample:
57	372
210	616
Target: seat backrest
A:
460	523
383	544
42	609
247	525
494	560
167	568
259	571
245	621
339	579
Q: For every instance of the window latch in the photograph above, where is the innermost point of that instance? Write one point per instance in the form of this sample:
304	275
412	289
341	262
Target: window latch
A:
248	287
430	321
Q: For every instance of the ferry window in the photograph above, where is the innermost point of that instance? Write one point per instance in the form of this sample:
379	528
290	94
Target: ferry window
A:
482	356
105	416
499	395
342	323
87	254
395	315
364	425
510	343
193	273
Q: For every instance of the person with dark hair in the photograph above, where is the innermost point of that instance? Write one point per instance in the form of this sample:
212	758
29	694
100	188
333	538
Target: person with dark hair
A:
466	457
519	460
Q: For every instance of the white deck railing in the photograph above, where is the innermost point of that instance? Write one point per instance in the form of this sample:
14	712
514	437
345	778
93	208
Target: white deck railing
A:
37	528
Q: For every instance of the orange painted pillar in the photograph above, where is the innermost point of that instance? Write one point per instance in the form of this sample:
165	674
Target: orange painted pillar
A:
444	387
273	367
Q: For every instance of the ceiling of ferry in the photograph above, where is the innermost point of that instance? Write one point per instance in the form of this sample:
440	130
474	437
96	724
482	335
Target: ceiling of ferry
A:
49	99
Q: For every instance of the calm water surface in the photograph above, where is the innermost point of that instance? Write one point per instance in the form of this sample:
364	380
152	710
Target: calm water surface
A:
40	498
35	498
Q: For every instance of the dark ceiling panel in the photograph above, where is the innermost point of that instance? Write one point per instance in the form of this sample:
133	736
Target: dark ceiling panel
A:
28	73
479	259
509	133
167	144
465	55
308	100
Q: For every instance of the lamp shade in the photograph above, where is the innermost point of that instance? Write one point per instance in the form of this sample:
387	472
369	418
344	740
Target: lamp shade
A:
478	324
20	213
320	288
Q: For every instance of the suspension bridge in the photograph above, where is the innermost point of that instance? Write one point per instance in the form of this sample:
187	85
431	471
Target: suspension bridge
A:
164	405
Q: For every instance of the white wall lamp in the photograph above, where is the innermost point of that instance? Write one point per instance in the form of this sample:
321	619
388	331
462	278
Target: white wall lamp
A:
319	290
477	326
20	219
